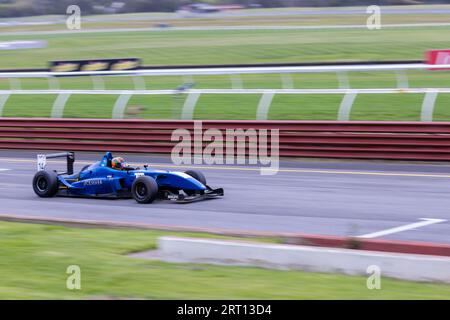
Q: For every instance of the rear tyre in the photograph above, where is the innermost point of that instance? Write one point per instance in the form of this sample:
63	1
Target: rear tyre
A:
45	183
197	175
144	189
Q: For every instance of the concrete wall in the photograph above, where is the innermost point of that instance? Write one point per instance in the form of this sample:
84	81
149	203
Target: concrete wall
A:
345	261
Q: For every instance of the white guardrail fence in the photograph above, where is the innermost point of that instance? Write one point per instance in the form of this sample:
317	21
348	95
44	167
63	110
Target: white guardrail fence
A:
236	83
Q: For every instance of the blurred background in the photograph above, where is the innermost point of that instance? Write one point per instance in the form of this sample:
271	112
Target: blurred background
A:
17	8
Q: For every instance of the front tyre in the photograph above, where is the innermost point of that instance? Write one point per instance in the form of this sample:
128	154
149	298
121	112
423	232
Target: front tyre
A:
144	189
197	175
45	183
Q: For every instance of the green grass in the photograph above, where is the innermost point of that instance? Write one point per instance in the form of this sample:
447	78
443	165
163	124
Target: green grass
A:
26	105
35	259
173	47
441	112
305	107
387	107
99	106
227	107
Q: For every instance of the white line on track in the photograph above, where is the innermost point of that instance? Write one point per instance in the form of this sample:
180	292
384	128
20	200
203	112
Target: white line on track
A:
1	169
406	227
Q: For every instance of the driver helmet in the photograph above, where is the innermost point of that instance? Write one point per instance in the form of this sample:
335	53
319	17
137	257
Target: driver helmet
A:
118	163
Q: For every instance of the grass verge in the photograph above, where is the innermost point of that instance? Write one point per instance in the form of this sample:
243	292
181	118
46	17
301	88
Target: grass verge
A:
34	259
174	47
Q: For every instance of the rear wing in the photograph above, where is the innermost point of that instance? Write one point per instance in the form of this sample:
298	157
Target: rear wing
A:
70	159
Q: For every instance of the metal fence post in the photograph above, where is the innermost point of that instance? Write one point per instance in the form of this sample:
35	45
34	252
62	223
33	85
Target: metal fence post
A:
428	105
59	104
139	83
15	84
189	105
236	81
3	99
346	105
344	83
286	81
262	112
402	79
98	83
120	106
53	83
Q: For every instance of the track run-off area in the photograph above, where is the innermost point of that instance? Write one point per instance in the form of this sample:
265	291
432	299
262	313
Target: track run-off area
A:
377	200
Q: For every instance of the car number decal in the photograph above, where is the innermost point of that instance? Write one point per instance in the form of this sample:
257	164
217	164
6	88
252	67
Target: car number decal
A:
41	162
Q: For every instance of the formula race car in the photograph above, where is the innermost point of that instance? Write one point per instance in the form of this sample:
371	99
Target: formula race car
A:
113	178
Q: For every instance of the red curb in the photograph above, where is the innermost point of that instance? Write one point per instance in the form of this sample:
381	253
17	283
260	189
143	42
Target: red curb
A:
412	247
393	246
436	249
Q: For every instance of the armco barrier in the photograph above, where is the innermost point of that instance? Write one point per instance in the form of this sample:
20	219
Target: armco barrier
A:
328	139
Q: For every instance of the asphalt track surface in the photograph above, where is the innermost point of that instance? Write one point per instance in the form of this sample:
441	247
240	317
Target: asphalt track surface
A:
342	198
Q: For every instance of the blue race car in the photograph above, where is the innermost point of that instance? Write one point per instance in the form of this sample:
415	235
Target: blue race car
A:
113	178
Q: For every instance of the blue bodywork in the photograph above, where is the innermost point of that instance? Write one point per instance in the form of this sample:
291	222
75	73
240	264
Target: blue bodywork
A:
100	180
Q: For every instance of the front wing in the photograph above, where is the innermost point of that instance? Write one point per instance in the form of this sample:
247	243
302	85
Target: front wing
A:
208	194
